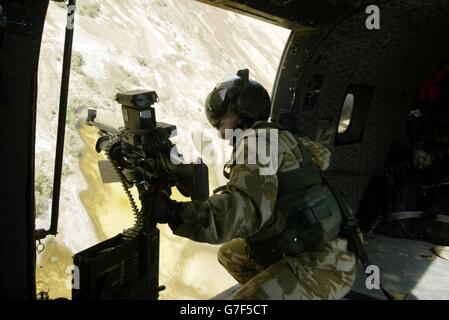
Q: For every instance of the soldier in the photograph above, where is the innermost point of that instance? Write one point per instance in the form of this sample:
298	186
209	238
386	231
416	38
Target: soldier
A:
281	230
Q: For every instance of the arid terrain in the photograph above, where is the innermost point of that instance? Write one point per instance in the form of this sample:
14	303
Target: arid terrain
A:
179	48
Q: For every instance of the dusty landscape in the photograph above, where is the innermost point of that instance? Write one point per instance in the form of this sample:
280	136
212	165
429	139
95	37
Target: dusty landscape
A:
179	48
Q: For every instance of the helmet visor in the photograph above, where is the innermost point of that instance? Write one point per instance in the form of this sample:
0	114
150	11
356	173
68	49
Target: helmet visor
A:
216	106
218	101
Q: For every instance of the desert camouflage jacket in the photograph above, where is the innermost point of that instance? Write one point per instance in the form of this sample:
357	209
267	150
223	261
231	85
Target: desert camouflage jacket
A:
246	203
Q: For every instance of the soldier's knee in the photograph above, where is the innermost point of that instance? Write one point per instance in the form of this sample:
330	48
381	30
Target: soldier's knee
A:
222	255
234	248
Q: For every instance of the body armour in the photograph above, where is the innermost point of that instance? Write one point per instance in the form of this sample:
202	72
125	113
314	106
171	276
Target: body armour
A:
308	213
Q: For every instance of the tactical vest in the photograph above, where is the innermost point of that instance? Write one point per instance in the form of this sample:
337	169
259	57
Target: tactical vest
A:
307	214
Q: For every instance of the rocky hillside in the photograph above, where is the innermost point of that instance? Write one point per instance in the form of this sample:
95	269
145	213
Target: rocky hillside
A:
179	48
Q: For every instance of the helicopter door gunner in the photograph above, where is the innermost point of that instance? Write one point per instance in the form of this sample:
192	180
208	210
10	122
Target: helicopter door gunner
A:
280	231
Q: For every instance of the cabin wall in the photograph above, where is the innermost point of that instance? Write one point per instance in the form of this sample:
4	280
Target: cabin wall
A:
19	54
382	68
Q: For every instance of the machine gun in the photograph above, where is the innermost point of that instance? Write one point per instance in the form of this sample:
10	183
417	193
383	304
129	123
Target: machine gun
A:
143	152
141	155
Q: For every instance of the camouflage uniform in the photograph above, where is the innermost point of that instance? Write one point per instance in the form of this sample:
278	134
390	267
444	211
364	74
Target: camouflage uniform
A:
242	208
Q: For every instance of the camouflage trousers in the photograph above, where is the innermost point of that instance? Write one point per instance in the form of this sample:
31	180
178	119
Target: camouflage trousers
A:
326	273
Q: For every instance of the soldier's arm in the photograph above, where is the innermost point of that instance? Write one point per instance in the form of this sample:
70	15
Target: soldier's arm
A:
239	211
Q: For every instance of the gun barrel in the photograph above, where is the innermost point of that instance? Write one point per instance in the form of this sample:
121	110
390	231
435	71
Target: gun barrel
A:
104	127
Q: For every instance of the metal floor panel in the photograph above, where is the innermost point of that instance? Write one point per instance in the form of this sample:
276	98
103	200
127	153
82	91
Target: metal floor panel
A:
406	266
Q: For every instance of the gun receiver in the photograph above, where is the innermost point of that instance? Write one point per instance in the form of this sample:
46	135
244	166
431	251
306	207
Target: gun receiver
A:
143	152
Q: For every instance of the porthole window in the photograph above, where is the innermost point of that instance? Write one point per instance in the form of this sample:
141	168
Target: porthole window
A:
346	113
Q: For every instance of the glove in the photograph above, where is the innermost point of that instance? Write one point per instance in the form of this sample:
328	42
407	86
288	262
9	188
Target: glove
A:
159	207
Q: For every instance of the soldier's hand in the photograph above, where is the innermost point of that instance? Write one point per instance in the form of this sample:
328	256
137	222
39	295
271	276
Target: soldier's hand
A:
159	207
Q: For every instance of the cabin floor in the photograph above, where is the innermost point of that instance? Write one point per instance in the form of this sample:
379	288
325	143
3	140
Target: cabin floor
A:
409	269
